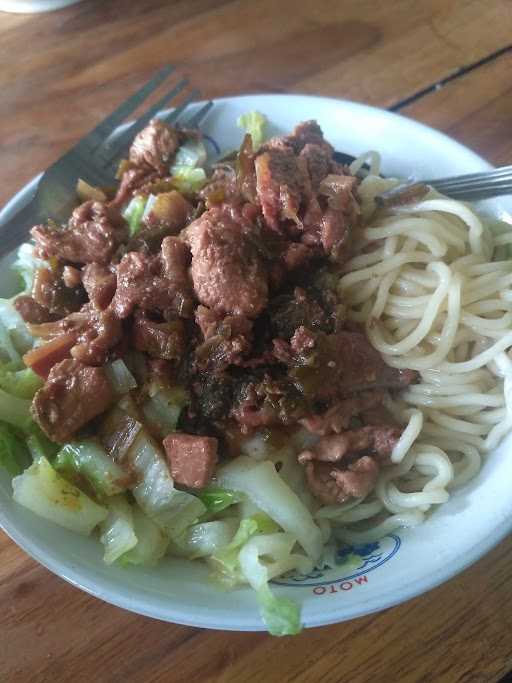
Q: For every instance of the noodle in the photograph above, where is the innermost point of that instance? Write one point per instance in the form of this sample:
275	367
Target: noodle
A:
432	299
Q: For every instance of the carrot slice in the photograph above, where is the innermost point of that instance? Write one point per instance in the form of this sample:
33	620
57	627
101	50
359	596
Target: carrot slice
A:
42	358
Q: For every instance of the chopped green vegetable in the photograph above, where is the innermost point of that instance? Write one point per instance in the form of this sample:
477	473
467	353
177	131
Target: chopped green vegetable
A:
216	499
14	455
255	124
163	409
21	383
43	491
188	179
151	541
15	411
134	212
120	377
204	539
88	461
26	265
281	615
117	530
40	445
192	153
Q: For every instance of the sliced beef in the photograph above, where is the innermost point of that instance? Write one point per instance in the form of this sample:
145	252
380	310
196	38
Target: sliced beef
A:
72	395
50	291
100	284
228	272
165	340
222	187
281	184
71	277
332	485
31	311
337	417
154	147
100	332
380	440
308	133
346	363
192	458
156	283
93	234
133	181
318	162
227	340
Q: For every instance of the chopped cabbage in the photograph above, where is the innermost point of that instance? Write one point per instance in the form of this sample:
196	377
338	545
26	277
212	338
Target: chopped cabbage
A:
15	410
120	377
216	499
14	455
172	509
88	461
117	532
188	179
225	563
261	482
40	445
43	491
17	336
262	558
26	265
163	409
206	538
134	212
151	541
21	383
192	153
255	124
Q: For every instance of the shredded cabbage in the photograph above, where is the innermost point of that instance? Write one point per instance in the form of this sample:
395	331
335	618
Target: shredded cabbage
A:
21	383
15	411
172	509
88	461
255	124
18	337
120	377
134	212
151	541
204	539
192	153
216	499
261	482
43	491
26	265
117	531
188	179
163	409
14	455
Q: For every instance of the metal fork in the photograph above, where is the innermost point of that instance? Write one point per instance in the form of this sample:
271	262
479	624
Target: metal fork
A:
472	186
94	159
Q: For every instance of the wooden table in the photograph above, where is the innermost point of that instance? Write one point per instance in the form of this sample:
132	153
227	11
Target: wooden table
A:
445	62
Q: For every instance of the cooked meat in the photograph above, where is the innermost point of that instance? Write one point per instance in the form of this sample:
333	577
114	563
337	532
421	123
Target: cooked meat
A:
71	277
222	187
346	363
31	311
50	291
72	395
281	182
169	214
331	484
267	401
318	162
192	458
337	418
164	340
380	440
299	308
100	284
93	234
176	260
227	270
154	147
132	181
307	133
151	283
101	331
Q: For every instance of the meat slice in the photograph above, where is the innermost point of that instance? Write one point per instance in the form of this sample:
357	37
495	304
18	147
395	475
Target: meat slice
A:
308	133
157	283
192	458
337	417
346	363
332	485
165	340
318	162
154	147
226	340
100	284
71	277
228	271
72	395
281	183
31	311
380	440
94	232
50	291
100	332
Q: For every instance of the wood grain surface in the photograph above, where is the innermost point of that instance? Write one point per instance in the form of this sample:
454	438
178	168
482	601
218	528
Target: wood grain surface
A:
443	62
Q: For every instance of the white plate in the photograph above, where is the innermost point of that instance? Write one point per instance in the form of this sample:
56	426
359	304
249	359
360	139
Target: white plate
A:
401	566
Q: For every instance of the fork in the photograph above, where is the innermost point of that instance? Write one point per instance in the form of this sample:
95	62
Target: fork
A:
94	159
471	186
